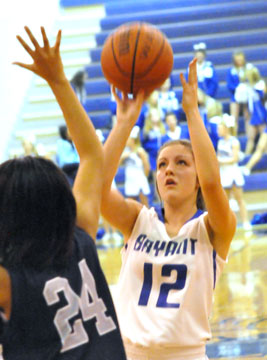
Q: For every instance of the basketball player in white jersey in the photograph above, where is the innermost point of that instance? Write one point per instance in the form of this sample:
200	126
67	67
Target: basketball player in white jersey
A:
170	263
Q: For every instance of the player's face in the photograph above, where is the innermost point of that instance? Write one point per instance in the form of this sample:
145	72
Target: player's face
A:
176	173
239	60
222	130
171	121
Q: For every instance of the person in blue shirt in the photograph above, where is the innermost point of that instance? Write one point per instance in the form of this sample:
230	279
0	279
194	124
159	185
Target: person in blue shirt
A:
167	99
173	130
236	81
66	150
206	74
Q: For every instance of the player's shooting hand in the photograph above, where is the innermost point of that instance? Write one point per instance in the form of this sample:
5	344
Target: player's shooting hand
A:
190	98
47	62
128	110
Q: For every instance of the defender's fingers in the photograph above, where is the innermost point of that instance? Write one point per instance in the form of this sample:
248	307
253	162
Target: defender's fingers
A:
25	66
58	40
25	45
33	40
45	39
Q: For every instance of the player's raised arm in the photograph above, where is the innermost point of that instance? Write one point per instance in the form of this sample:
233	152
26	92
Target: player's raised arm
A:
87	189
119	212
221	221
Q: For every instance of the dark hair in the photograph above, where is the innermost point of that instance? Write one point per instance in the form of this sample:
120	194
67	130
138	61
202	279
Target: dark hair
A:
63	132
38	213
78	79
200	201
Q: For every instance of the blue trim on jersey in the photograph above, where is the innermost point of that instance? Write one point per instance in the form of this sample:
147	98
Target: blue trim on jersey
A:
159	211
214	268
196	215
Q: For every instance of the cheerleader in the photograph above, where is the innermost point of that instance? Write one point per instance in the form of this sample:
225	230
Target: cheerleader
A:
206	74
232	178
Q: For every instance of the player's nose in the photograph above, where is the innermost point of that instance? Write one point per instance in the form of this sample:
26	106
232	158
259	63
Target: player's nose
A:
169	169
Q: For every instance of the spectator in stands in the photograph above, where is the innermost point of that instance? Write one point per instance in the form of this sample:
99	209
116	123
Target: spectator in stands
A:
137	168
78	84
54	299
152	102
31	147
232	178
167	99
210	109
66	150
173	130
256	91
206	74
261	148
239	82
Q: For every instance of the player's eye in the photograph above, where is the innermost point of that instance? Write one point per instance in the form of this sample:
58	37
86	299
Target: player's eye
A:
181	162
161	164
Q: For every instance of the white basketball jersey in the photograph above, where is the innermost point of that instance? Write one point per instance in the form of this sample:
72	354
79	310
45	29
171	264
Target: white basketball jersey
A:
166	284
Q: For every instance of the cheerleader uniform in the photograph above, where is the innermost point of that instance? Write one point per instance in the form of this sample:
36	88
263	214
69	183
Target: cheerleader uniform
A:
231	174
135	178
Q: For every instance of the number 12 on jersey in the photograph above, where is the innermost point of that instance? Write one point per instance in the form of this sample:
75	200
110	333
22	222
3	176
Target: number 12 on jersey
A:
167	269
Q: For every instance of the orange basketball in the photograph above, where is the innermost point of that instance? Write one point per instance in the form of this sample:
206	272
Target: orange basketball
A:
137	56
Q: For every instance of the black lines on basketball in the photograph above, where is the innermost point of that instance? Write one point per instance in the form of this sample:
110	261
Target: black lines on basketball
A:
125	73
134	60
150	67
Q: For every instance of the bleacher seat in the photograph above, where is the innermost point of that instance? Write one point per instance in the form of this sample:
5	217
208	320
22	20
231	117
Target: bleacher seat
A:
181	45
256	181
260	166
118	7
98	104
177	15
102	121
198	28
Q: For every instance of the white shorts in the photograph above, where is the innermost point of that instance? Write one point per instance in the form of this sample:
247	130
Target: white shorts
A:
134	185
231	176
135	352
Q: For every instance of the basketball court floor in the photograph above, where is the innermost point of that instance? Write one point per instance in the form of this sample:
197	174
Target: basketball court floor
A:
239	319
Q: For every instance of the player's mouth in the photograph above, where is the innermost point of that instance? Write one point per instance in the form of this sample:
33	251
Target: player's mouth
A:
170	182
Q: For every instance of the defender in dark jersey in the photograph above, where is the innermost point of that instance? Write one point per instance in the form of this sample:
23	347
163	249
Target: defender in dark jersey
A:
54	299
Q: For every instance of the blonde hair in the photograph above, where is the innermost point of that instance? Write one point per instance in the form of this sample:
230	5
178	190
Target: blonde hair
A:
149	124
253	75
213	107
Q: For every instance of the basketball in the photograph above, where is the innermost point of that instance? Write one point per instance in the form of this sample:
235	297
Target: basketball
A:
137	56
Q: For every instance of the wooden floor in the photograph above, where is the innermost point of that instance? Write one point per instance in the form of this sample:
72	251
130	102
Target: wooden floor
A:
239	320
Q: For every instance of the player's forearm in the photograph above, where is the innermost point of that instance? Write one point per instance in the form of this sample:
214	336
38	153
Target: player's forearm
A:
113	149
80	127
205	156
